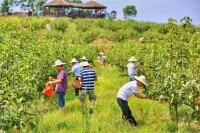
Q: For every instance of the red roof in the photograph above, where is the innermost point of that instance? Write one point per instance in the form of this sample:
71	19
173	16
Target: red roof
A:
57	3
62	3
93	5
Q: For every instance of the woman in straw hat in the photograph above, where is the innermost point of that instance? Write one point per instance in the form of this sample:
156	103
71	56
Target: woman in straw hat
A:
131	68
125	92
76	69
61	84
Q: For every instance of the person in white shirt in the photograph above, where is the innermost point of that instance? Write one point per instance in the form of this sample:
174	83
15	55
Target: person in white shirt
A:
125	92
131	68
83	59
48	27
101	58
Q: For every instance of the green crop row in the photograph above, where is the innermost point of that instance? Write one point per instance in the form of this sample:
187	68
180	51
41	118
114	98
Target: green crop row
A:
171	64
169	59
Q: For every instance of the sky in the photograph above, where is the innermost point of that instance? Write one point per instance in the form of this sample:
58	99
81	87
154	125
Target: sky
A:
155	10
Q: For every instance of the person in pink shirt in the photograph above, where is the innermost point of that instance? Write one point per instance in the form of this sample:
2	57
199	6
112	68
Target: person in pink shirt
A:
61	84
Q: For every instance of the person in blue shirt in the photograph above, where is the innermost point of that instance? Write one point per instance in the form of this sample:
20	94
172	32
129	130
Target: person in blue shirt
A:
76	69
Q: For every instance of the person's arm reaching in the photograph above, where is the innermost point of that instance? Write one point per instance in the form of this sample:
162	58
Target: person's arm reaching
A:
79	78
55	81
141	96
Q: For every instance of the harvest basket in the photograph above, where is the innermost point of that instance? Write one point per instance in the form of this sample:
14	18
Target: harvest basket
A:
76	84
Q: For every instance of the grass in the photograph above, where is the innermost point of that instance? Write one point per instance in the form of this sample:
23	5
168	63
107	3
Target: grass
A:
152	116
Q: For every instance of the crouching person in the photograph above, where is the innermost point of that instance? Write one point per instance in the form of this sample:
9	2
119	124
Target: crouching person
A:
125	92
88	76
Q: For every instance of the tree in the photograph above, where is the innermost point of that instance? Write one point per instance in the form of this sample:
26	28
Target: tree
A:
129	11
39	5
6	5
32	6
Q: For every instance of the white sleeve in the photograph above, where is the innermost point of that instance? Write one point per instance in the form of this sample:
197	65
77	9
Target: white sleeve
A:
134	89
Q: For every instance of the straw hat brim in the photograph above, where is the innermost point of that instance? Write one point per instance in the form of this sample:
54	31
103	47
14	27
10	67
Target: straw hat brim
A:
59	64
132	60
137	78
74	61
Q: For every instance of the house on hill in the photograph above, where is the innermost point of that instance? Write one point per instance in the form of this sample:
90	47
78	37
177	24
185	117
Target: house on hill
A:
61	8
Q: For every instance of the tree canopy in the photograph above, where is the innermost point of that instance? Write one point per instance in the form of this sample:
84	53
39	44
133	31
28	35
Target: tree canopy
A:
129	11
32	6
6	5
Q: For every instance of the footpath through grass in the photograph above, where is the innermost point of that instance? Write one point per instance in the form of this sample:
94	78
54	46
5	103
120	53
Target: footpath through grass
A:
152	116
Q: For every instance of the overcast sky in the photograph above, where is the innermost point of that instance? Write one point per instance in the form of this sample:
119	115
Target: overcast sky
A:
156	10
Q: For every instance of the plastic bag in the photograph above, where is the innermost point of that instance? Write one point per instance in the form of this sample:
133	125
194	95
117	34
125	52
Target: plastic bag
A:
48	90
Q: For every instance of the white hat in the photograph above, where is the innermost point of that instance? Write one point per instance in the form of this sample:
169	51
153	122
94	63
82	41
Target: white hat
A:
84	58
85	63
101	53
74	60
58	63
132	59
141	79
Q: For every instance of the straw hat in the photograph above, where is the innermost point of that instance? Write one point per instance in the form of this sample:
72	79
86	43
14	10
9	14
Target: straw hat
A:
101	53
58	63
85	64
84	58
74	60
141	79
132	59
